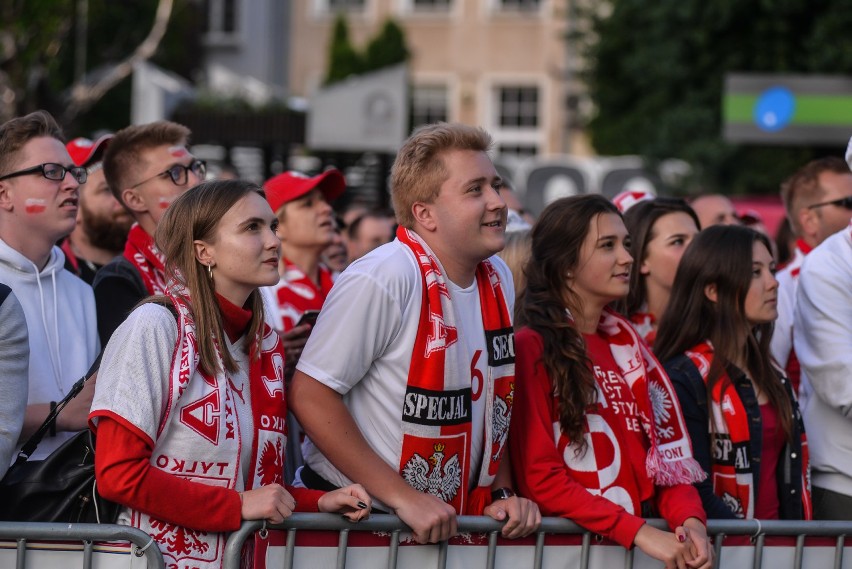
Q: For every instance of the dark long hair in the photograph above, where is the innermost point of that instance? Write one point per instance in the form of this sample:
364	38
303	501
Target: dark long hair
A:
557	238
721	255
640	220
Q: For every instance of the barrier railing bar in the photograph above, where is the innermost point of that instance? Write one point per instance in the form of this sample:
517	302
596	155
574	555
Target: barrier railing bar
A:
628	559
757	561
539	551
24	531
719	529
838	552
800	549
342	545
394	549
443	549
22	554
87	554
584	554
290	551
492	550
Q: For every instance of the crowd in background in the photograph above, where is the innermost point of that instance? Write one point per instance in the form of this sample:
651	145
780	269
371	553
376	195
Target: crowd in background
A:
664	362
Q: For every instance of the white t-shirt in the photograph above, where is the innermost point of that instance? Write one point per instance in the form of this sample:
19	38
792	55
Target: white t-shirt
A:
361	347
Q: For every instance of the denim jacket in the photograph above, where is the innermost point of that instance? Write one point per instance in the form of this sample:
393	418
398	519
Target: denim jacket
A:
692	393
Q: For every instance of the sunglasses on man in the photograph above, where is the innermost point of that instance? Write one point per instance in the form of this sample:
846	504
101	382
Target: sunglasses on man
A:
842	202
52	171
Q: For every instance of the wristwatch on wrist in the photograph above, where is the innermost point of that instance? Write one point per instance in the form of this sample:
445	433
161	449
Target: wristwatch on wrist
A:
501	494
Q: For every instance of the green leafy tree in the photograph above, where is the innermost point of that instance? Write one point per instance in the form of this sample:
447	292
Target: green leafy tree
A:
387	48
656	72
343	59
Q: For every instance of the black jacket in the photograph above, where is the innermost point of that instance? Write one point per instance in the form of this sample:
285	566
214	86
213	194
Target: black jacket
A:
692	393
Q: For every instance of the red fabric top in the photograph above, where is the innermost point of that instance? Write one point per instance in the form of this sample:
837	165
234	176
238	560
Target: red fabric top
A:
124	473
542	474
766	506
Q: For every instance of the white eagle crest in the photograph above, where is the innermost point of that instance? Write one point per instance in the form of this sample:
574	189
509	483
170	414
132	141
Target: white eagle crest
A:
443	483
661	404
500	421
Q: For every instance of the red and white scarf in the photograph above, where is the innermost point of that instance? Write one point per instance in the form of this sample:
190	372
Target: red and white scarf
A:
295	294
143	253
733	479
437	411
201	431
669	460
644	323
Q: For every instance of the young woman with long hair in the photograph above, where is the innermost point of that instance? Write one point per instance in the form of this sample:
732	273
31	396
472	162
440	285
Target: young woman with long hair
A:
596	433
660	230
189	404
741	413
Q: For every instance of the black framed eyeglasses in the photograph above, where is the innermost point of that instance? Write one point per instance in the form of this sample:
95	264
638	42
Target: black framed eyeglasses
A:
842	202
52	171
179	174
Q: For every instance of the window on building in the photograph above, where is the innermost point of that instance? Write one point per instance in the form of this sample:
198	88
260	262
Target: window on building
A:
518	107
519	5
430	5
429	103
519	150
220	16
346	5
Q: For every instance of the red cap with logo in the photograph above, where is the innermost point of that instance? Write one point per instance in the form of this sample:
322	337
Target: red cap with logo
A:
288	186
84	151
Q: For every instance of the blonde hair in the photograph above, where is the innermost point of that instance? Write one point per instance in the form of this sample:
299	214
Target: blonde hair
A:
123	156
16	133
195	215
516	254
419	171
802	188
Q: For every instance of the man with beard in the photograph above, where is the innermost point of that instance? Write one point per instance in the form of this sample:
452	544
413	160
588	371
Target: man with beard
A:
102	222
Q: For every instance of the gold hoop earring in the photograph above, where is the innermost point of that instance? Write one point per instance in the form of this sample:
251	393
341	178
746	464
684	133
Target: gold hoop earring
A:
210	270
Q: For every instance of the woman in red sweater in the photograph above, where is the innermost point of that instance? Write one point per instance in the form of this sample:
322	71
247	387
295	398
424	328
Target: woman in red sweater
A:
596	433
189	404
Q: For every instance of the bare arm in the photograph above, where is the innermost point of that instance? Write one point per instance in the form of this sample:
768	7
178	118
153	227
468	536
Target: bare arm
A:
326	420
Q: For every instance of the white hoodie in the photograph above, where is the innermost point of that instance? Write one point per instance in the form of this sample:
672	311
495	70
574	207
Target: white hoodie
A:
62	325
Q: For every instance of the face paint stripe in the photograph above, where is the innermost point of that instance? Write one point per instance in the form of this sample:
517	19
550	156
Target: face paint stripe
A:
33	205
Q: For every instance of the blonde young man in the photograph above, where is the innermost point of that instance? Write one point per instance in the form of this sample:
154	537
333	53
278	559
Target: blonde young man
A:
38	207
147	167
818	200
407	381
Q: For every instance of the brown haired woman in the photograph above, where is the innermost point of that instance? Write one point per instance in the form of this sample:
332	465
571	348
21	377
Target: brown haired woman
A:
189	404
596	435
714	339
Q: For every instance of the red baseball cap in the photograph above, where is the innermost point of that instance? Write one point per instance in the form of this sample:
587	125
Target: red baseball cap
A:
83	150
288	186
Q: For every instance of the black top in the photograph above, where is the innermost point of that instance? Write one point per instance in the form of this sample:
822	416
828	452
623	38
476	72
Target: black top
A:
118	289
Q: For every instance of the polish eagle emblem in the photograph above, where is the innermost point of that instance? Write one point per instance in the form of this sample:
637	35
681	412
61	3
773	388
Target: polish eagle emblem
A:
441	479
500	418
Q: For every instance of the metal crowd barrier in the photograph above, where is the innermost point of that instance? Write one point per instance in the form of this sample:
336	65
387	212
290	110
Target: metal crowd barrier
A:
755	530
87	534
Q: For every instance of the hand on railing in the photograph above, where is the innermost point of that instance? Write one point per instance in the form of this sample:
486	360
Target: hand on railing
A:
352	502
431	519
695	535
272	503
522	516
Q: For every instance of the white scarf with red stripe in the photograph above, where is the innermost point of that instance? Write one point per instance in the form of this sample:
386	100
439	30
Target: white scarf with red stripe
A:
200	427
437	411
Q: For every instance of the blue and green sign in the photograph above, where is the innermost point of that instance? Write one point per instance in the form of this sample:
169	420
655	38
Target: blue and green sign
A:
787	109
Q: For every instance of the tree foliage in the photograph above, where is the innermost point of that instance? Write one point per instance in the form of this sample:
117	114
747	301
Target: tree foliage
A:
656	72
343	59
38	50
385	49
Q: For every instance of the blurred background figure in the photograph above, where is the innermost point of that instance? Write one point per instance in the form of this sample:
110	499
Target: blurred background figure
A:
334	257
516	253
517	212
818	200
368	231
102	222
714	209
14	367
660	230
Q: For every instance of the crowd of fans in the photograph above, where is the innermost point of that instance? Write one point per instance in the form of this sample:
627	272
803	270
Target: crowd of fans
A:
619	360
